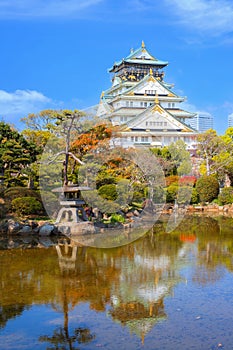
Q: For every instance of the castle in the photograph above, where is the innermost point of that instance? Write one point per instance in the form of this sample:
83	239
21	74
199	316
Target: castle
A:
145	107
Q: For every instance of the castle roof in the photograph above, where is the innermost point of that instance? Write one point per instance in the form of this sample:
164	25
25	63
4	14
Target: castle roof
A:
140	56
174	122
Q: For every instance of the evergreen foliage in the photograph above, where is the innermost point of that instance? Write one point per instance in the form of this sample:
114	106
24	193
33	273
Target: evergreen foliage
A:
108	192
226	196
207	188
26	205
16	154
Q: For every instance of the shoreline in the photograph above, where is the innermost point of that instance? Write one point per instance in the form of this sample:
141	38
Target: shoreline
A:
14	226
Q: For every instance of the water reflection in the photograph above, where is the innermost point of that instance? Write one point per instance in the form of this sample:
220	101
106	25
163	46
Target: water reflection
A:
130	283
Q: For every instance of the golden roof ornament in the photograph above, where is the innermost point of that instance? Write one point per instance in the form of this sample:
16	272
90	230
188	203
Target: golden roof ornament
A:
151	71
102	94
143	45
156	98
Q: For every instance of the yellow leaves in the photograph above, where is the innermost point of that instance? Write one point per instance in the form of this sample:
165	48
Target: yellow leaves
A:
202	169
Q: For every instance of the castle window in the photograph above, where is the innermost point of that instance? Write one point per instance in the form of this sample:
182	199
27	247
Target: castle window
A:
144	139
124	119
134	138
150	92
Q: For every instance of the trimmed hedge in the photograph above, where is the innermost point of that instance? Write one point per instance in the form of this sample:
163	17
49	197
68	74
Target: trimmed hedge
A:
26	205
17	192
207	188
108	192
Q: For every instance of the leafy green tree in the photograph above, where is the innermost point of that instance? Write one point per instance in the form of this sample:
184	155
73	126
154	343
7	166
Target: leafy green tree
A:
16	155
180	157
44	120
65	125
207	188
37	137
216	152
226	195
164	158
226	158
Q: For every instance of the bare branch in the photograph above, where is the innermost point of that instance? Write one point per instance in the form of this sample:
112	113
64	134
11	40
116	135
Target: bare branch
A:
75	158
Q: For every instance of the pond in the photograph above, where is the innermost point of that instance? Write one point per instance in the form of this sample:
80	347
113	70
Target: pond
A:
163	291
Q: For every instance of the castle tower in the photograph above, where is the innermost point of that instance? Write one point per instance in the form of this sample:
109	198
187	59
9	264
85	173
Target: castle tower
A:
144	104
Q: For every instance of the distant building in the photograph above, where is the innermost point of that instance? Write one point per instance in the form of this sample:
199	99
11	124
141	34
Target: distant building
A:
230	120
144	105
201	122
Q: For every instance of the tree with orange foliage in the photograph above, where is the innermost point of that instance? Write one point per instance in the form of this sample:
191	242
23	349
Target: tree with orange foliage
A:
96	137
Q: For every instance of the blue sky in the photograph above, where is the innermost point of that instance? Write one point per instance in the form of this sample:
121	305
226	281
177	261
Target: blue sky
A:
55	53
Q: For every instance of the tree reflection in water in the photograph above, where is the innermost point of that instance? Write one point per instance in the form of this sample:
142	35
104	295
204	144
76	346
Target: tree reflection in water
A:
130	282
61	338
133	279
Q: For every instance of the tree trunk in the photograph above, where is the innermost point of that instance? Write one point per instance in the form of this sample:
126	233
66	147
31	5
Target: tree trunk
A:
65	170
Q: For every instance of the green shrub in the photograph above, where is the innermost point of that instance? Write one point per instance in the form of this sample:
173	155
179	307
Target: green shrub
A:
117	218
217	201
195	196
26	205
108	192
139	192
16	192
104	179
171	193
182	194
159	194
226	196
207	188
138	196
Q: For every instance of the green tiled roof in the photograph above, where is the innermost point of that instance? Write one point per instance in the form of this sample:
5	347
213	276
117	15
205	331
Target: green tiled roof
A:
141	56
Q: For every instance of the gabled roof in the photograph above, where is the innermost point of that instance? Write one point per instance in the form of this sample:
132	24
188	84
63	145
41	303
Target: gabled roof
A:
104	107
181	113
149	78
132	124
140	56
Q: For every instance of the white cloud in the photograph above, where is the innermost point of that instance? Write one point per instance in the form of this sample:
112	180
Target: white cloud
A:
22	102
41	8
212	17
